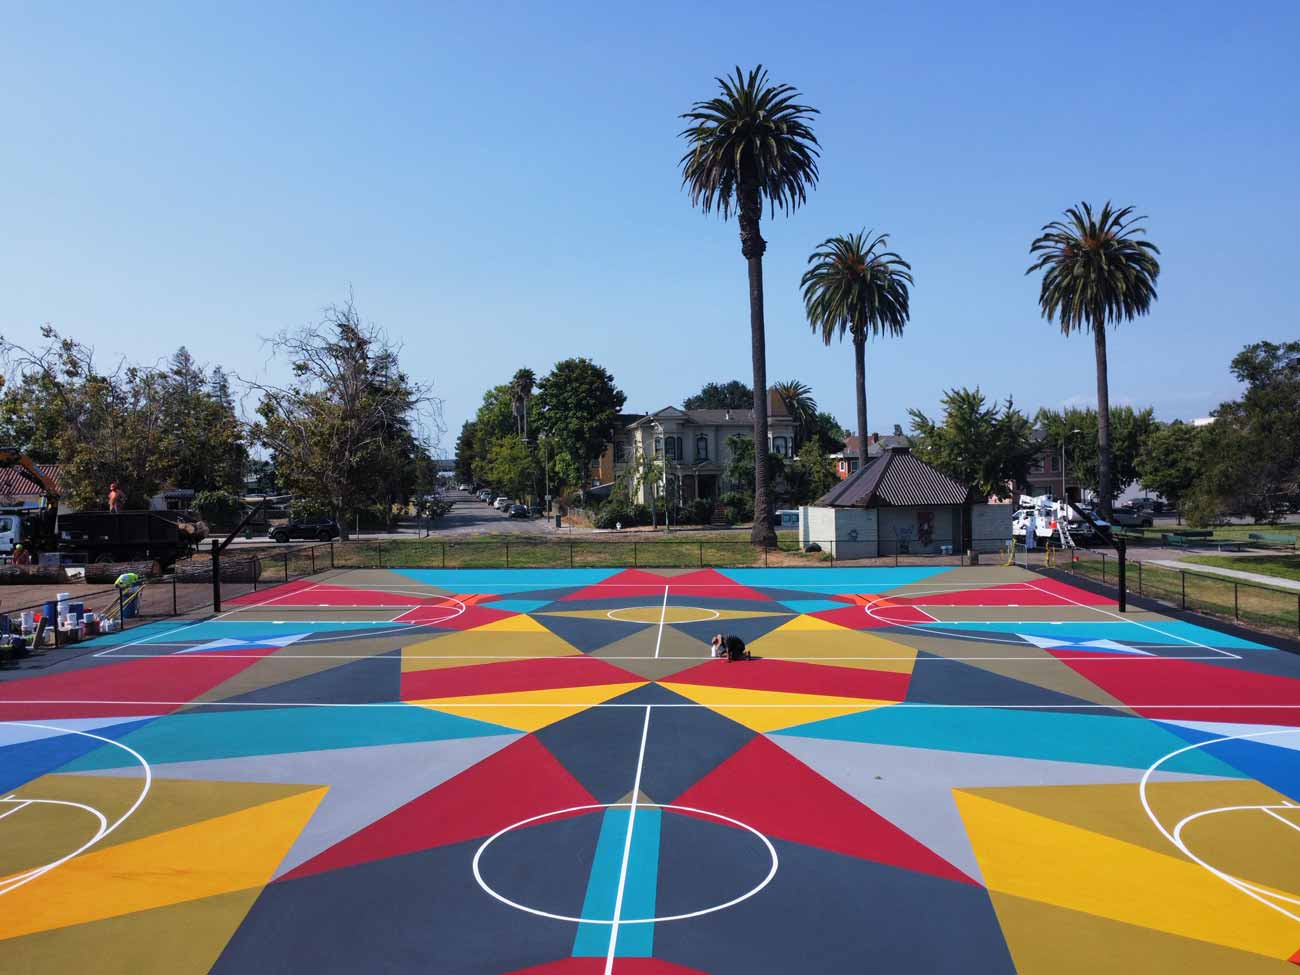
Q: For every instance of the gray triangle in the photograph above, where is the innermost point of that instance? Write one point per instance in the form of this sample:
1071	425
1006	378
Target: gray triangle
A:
641	800
640	648
912	787
366	783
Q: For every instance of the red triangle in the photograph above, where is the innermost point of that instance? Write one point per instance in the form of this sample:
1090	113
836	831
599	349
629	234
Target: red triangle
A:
596	966
520	781
158	685
710	583
796	677
621	585
512	675
445	616
1008	594
273	594
770	790
1189	690
858	618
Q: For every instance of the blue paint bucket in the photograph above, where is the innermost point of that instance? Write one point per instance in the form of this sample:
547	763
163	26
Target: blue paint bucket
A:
75	610
50	612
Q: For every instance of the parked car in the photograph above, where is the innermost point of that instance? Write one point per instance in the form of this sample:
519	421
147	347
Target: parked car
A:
518	511
485	496
320	527
1132	517
502	503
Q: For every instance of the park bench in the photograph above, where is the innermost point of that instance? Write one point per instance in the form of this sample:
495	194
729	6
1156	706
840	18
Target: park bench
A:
1201	538
1272	540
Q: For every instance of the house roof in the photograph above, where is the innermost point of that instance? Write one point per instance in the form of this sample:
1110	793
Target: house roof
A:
15	485
722	418
896	477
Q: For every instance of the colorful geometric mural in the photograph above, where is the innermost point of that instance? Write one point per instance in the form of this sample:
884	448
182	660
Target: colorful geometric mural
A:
544	772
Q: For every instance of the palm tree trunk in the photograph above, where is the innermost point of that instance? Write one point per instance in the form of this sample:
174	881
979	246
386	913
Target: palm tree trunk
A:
860	376
1103	420
752	246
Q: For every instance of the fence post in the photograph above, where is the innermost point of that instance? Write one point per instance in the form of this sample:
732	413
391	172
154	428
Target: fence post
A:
634	562
1236	603
175	612
701	555
331	554
765	555
1103	568
570	553
121	613
379	546
1139	565
286	566
507	555
443	545
216	576
313	560
1182	580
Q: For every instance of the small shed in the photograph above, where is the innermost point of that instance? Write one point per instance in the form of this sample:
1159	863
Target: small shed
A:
898	505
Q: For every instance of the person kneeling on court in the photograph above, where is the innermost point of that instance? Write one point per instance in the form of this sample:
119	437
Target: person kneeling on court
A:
730	646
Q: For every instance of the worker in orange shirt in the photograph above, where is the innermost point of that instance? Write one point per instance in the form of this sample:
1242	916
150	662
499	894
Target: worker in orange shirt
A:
115	499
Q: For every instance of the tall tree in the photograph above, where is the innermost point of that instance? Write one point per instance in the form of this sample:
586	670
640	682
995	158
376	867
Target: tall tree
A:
987	447
333	430
521	393
751	143
828	433
854	285
1130	430
577	405
1171	461
1097	272
731	395
799	403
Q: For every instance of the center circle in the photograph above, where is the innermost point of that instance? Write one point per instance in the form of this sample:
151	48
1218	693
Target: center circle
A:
478	854
669	614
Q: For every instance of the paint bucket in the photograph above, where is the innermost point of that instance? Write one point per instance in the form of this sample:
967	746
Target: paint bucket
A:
28	620
63	599
50	611
91	624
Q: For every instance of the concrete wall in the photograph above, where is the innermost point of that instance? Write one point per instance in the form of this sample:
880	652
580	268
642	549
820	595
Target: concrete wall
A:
990	526
899	530
847	533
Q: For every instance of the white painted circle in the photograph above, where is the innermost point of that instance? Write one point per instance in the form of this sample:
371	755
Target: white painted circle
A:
702	619
16	881
771	852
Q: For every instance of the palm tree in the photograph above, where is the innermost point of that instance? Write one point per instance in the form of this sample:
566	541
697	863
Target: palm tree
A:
801	406
854	285
1097	271
521	391
749	144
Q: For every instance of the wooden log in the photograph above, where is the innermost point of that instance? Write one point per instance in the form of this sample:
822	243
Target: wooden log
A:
108	572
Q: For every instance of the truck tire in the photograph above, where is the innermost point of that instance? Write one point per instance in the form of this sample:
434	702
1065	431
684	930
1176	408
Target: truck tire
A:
104	558
324	535
280	537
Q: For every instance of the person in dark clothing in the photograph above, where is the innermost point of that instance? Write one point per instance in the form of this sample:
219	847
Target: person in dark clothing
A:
730	646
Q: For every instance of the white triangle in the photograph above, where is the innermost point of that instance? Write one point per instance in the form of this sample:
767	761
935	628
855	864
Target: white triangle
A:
1279	736
1045	643
1112	645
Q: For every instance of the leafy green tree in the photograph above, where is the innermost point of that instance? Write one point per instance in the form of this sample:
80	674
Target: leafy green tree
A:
1097	271
731	395
740	466
828	433
512	467
799	403
853	285
1255	461
577	407
521	393
749	144
985	446
1130	430
1171	461
334	430
145	428
465	453
811	475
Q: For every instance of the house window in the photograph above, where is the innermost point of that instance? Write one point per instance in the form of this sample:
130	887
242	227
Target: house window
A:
671	445
659	447
620	452
701	448
780	446
853	464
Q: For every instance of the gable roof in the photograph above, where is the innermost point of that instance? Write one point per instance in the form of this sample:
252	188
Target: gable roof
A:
895	478
15	485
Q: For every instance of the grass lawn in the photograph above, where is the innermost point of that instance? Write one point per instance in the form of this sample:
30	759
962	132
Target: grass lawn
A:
1228	531
1282	566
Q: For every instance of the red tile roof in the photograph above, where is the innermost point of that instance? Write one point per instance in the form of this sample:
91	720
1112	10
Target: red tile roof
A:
15	485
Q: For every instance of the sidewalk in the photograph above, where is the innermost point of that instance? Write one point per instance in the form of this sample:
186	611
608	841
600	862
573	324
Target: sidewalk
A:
1253	577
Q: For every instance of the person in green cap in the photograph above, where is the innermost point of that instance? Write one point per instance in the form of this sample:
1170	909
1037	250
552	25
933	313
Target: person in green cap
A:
129	584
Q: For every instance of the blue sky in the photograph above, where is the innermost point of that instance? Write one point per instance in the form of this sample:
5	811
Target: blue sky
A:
498	185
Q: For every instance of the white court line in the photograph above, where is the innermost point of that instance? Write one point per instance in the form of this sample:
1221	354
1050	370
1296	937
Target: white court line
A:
15	882
22	804
1122	619
659	639
627	840
1280	819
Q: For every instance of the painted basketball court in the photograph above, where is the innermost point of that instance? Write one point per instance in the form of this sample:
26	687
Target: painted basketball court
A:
541	771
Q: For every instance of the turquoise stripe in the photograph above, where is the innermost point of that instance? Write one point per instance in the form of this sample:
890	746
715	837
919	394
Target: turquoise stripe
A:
639	887
834	580
506	580
1174	633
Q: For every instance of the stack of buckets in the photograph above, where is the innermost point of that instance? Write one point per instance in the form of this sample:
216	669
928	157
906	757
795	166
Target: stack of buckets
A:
71	619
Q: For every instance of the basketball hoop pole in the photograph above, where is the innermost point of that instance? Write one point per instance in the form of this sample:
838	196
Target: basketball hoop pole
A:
1121	549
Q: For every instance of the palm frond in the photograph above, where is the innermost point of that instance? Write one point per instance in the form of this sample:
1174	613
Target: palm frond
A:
1097	268
854	285
753	134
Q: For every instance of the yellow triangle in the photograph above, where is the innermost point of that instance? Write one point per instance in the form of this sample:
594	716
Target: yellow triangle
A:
819	642
803	623
529	710
770	710
521	623
215	856
484	646
1040	859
